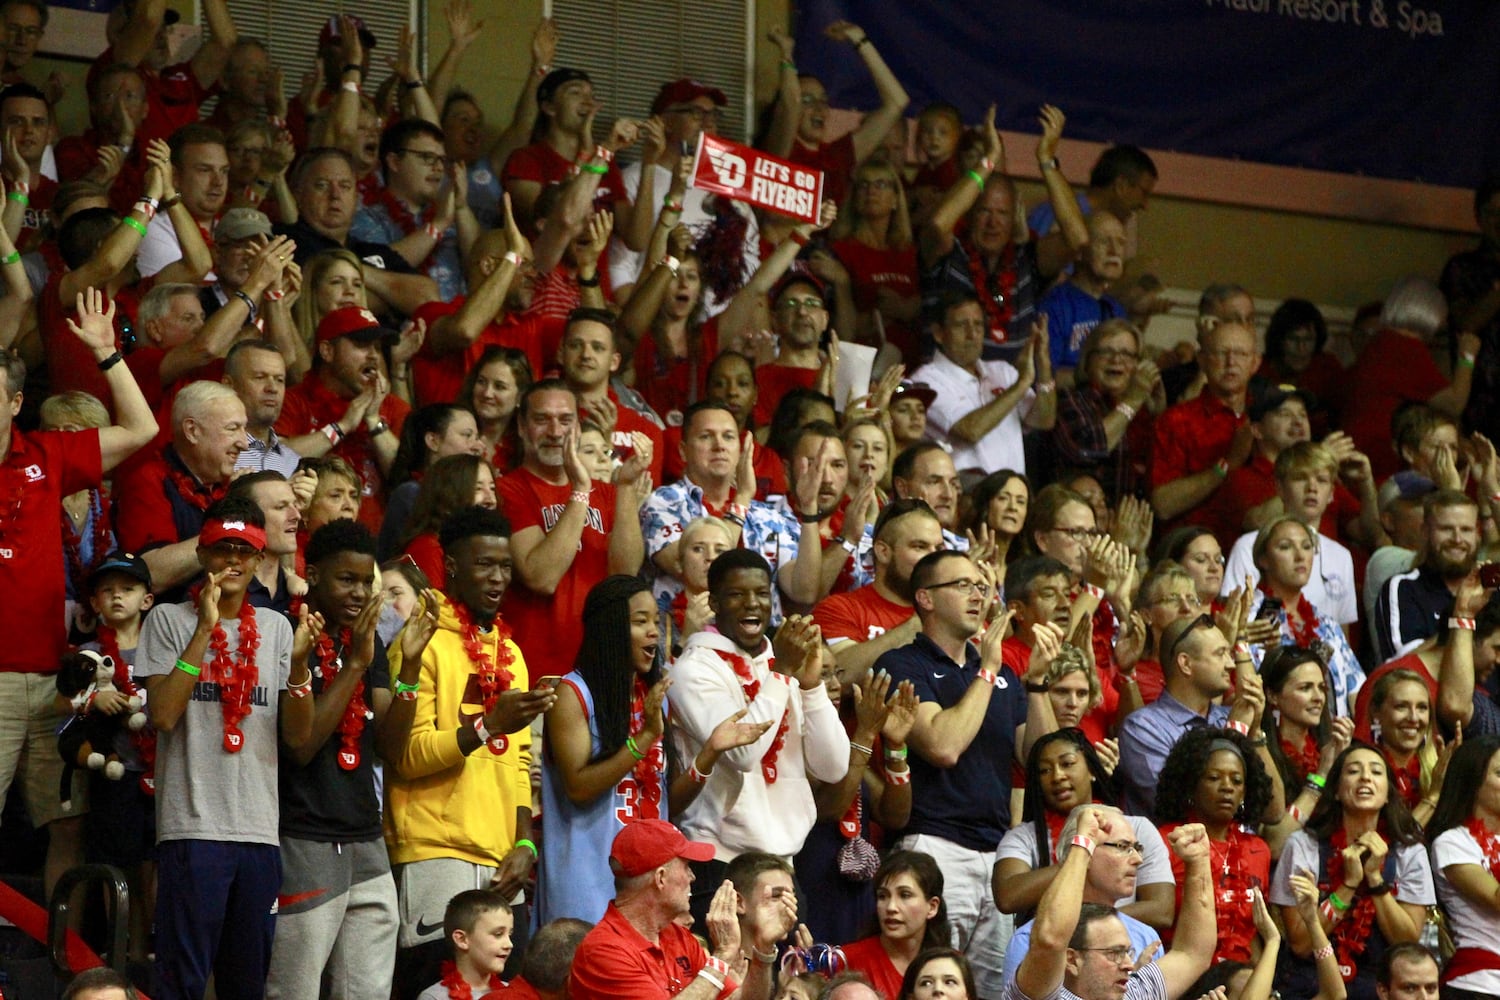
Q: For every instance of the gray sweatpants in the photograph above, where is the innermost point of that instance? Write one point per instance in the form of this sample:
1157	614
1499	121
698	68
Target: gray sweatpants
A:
337	918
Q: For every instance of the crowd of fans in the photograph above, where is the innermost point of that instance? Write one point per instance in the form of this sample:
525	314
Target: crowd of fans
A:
477	589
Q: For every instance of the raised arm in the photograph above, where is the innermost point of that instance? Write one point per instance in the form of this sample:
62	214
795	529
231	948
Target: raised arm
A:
941	735
16	302
213	55
542	558
138	35
1041	971
1197	923
1060	247
136	424
893	97
786	114
118	249
936	237
196	261
463	31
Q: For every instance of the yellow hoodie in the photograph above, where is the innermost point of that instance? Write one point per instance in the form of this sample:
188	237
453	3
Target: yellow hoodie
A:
439	803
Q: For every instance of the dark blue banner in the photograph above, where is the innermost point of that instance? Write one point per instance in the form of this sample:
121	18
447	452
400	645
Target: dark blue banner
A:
1406	90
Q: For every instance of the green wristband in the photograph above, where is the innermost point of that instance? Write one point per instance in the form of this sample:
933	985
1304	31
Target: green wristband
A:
634	750
974	176
12	258
595	168
402	688
528	845
1336	902
135	224
1466	362
188	668
20	197
1317	781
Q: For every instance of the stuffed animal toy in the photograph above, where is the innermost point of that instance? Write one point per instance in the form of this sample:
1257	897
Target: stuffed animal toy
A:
88	739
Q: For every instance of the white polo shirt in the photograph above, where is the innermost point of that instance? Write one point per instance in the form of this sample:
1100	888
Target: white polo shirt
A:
961	392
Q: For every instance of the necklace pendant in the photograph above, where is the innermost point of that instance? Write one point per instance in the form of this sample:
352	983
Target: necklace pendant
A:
498	744
349	759
234	740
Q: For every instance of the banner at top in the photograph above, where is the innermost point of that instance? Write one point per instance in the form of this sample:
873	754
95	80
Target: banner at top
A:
761	179
1399	89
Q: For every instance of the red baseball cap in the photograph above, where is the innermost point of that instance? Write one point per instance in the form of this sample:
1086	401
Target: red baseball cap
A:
685	90
352	321
647	844
332	30
216	531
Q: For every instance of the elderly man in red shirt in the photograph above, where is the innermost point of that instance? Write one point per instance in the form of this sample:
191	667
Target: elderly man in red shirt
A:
39	469
639	950
347	402
1200	441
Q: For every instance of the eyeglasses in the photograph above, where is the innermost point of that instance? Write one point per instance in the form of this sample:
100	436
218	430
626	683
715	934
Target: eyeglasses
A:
1116	354
1126	846
428	159
1181	600
1118	955
1202	621
695	112
811	303
234	550
1225	354
978	587
1078	534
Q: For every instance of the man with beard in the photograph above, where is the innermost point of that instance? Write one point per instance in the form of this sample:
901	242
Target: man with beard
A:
799	318
1083	948
570	530
458	783
863	624
762	800
328	403
1409	608
981	405
1081	303
974	723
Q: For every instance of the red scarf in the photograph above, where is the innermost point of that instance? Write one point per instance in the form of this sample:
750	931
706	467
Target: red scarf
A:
988	287
98	523
751	687
1489	843
1233	901
1305	629
458	988
648	770
493	676
1055	823
236	677
145	737
1352	933
352	724
1304	761
195	494
404	220
1407	779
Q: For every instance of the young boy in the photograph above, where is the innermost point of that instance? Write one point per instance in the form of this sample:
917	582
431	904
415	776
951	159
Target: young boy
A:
477	924
120	828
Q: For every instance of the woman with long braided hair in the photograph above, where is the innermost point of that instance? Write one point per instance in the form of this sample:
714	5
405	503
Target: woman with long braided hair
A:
605	762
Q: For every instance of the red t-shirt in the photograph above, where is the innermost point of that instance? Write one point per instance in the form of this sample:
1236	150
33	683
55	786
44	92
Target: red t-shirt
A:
867	957
773	381
437	378
311	404
546	625
41	469
859	615
1149	679
1393	369
870	270
614	961
674	384
835	159
1191	437
428	556
541	163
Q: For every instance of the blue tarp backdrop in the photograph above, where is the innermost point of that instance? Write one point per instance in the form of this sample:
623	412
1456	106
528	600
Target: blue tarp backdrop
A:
1400	89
